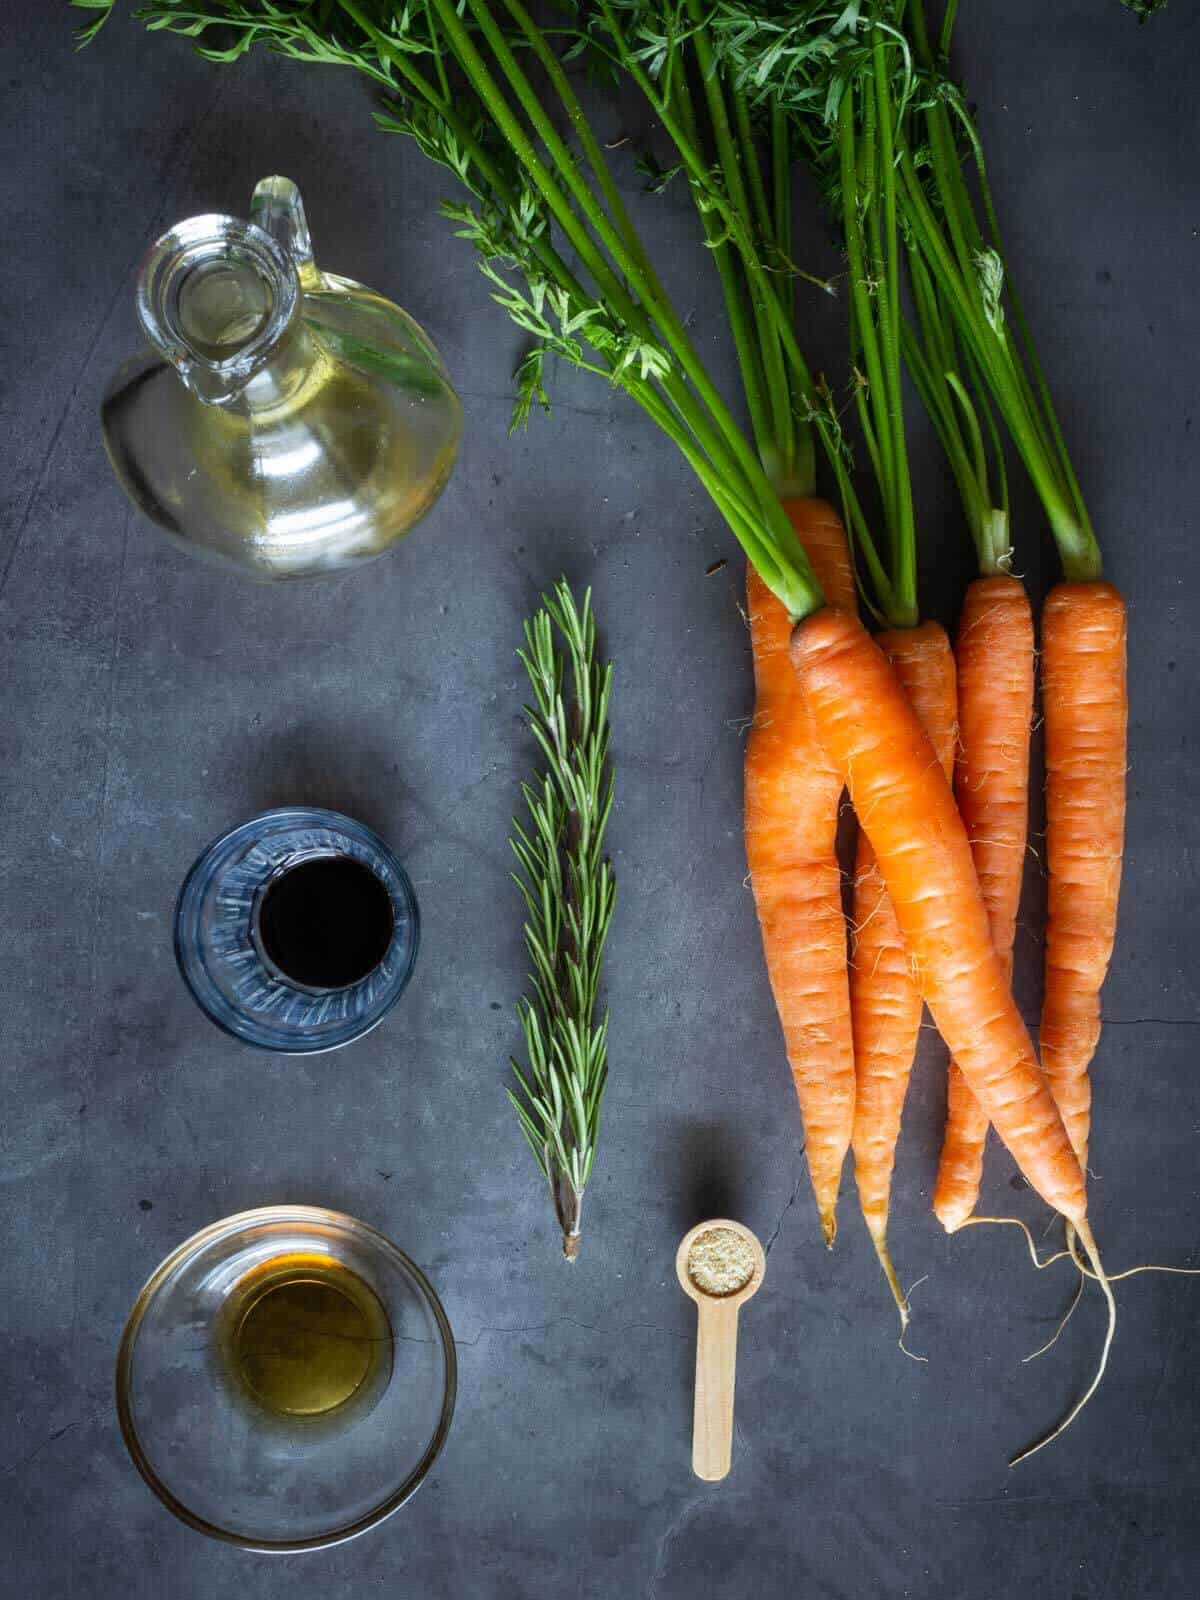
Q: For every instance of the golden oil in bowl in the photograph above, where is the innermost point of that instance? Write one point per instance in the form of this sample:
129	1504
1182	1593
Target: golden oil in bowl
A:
304	1337
286	1379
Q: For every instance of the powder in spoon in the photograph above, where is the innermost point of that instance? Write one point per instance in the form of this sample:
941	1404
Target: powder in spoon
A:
720	1261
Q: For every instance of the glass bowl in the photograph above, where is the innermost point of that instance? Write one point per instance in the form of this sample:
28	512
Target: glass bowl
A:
223	959
282	1475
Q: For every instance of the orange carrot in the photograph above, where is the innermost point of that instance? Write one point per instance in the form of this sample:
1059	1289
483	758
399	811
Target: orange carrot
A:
904	804
885	1000
793	797
1086	704
994	654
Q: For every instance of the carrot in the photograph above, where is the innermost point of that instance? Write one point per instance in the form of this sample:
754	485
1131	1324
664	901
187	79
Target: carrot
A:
885	1000
1086	706
905	806
994	654
793	797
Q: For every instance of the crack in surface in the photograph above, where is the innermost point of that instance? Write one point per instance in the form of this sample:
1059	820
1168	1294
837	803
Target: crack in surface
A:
791	1202
672	1532
51	1438
535	1327
588	1327
1150	1022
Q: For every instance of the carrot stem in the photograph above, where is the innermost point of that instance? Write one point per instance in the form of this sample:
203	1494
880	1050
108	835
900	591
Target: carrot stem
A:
973	267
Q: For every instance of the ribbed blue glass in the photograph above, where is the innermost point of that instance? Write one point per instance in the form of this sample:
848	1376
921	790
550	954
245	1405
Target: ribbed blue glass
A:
221	957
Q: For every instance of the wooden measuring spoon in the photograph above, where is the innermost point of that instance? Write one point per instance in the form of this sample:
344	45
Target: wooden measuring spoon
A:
716	1351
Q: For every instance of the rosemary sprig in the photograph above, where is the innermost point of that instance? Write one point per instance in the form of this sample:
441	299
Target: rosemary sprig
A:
569	890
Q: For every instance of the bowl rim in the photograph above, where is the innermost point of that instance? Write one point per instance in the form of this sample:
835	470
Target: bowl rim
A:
169	1263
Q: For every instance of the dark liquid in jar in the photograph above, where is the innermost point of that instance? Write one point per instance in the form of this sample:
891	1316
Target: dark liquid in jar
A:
326	923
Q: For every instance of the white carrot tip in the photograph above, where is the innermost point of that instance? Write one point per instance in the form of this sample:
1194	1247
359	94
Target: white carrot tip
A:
951	1220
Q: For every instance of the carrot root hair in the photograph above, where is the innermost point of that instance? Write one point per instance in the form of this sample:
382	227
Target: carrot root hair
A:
911	1354
1129	1272
1059	1255
1015	1222
1057	1334
1084	1232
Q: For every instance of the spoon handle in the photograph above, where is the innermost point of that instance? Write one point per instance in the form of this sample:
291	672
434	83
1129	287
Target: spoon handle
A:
716	1368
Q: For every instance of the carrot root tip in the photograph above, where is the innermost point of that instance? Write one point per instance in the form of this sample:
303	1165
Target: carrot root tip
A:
885	1261
1083	1231
911	1354
951	1218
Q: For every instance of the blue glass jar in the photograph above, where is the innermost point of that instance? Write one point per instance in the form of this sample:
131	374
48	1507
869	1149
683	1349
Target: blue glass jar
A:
230	967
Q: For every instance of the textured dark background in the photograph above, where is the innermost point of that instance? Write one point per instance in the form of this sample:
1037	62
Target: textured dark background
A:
150	702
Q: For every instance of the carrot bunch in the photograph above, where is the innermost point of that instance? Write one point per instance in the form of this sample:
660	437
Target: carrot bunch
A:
850	1019
937	878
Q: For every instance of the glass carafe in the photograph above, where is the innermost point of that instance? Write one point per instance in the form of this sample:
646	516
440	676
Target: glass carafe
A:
283	420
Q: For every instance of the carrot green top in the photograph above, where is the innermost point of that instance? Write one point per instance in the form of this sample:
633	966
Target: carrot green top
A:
804	57
960	243
840	77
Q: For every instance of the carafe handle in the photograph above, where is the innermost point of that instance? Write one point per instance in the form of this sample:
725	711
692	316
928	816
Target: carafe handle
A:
276	208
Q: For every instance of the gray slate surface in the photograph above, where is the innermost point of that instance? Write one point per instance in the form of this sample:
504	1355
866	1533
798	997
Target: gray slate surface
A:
149	703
